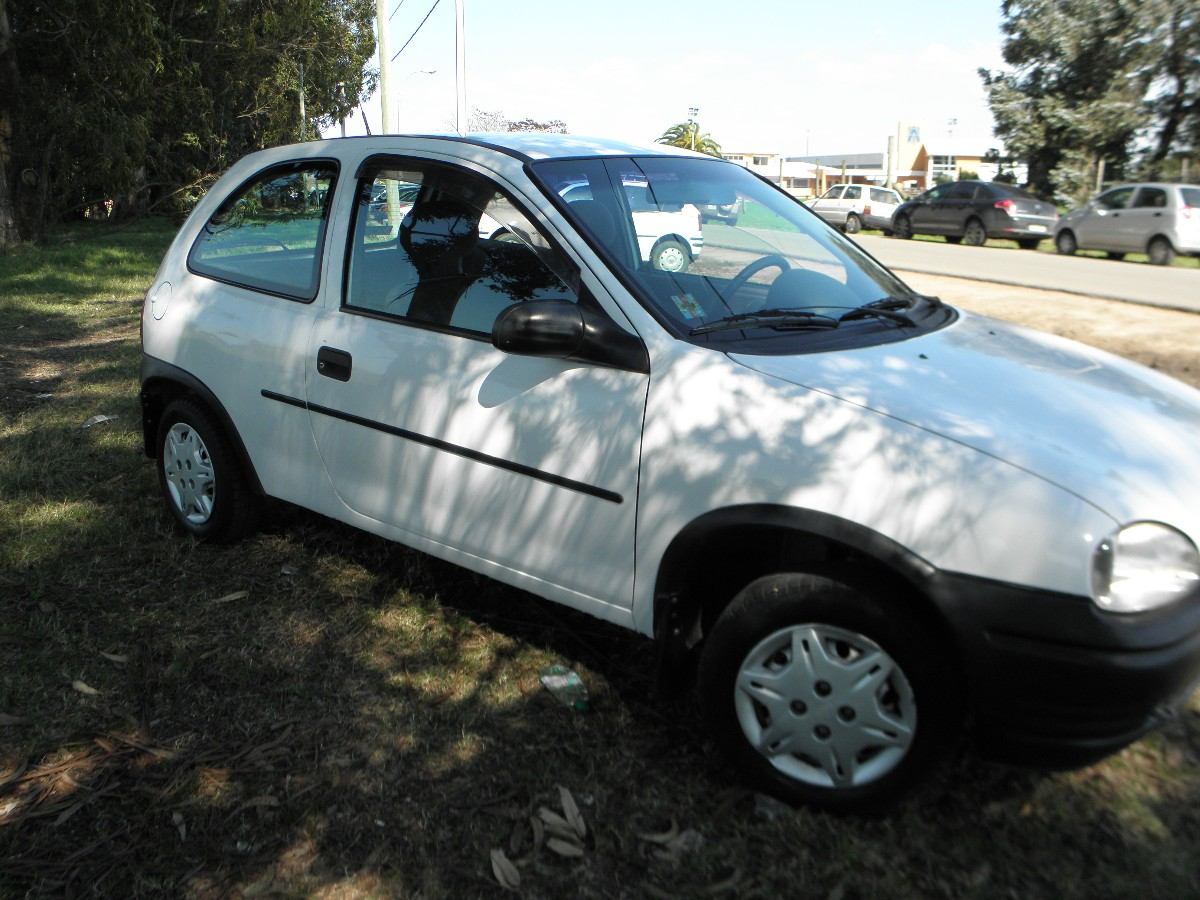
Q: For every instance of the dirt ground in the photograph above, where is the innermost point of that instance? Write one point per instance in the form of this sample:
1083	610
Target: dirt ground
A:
1163	339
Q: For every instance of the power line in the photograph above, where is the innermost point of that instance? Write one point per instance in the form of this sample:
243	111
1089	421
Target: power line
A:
396	10
414	34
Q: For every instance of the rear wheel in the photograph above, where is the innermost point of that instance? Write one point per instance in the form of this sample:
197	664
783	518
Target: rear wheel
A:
820	693
1028	243
1065	243
202	480
853	224
902	228
670	255
974	235
1160	251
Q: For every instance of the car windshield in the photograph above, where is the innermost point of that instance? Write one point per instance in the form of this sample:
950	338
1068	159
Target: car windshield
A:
652	219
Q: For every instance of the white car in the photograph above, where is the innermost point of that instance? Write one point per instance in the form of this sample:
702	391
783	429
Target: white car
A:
863	519
853	207
1159	220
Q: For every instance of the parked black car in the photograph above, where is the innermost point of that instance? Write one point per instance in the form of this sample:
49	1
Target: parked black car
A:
973	211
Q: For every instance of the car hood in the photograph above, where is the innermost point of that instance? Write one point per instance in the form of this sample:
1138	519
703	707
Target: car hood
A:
1114	433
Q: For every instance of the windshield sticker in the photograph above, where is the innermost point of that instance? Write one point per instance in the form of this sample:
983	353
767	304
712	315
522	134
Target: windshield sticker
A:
688	307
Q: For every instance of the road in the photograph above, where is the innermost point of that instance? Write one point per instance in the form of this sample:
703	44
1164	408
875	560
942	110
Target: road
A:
1167	286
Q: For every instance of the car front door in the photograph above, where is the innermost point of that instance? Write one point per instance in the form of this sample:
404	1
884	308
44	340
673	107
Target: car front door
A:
828	205
530	464
923	210
1099	228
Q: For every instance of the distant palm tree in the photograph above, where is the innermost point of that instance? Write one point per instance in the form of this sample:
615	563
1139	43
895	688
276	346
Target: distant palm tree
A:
687	135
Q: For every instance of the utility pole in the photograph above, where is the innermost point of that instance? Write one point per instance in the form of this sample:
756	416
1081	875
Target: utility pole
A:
460	60
340	88
693	112
385	61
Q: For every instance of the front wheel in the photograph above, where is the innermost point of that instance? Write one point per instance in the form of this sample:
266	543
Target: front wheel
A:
821	693
1160	251
902	227
974	235
1065	243
203	483
670	255
853	224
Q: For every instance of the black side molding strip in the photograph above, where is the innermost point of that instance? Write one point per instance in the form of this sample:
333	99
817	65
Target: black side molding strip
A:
465	452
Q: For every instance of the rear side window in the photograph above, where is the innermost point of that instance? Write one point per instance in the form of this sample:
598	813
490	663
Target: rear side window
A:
1154	198
269	234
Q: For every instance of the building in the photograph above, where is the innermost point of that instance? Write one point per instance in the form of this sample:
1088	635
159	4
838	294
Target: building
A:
764	164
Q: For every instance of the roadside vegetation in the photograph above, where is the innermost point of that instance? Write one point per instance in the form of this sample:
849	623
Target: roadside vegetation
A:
317	712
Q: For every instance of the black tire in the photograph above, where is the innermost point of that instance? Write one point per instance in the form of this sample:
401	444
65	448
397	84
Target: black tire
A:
853	224
1160	251
232	504
902	228
670	255
974	234
954	239
1028	243
1065	243
767	608
1113	255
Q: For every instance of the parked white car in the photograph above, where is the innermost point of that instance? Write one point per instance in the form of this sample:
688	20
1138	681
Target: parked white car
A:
853	207
862	519
1159	220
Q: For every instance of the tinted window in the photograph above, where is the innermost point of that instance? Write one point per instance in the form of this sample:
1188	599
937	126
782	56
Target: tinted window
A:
269	234
962	190
1008	190
1191	196
1151	197
1115	199
454	257
853	192
938	193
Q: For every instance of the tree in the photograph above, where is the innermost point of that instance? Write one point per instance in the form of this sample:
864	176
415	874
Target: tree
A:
145	103
1074	95
8	91
687	135
485	120
1172	59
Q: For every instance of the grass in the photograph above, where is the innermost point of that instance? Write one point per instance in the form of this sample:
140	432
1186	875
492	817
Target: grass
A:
317	712
1047	246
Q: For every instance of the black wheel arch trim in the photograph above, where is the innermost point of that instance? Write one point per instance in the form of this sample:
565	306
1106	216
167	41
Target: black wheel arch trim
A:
155	373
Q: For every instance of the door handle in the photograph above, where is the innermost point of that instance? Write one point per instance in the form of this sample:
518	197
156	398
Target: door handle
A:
1157	214
333	363
1116	215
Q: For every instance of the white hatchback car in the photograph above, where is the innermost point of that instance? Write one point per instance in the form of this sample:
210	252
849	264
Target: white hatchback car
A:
853	207
1159	220
864	520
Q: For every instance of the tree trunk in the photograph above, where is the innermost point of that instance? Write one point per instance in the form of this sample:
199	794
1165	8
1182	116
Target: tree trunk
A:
8	91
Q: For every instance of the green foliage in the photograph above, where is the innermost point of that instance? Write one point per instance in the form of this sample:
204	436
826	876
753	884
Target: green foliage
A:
687	135
1089	80
144	103
968	175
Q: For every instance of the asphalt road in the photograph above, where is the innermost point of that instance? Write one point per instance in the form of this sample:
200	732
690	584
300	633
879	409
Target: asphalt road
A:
1167	286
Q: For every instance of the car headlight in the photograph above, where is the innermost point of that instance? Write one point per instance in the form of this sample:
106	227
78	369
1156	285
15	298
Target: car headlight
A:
1143	566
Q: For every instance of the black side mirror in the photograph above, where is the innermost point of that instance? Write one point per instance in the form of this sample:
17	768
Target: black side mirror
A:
560	329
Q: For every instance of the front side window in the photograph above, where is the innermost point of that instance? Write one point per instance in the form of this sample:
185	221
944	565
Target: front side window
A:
853	192
445	248
962	190
833	193
1115	199
269	234
707	280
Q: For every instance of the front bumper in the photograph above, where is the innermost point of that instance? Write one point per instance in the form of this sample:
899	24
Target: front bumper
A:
1054	681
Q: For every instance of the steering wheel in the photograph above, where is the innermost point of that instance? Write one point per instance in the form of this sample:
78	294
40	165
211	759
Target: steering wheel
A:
765	262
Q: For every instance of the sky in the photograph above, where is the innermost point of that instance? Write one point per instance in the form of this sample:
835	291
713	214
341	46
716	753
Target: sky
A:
774	76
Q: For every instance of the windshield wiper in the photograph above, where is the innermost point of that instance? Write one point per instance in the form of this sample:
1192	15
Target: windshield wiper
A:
768	318
871	310
891	303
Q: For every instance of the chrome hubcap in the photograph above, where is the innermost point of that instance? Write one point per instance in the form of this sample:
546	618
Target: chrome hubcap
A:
670	259
189	471
825	706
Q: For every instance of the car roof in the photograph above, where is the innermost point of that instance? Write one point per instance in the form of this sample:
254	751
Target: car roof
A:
532	146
